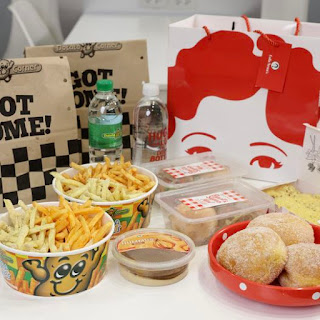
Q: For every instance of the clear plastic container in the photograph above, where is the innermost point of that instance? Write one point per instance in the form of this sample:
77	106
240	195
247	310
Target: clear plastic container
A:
153	257
291	198
198	168
219	204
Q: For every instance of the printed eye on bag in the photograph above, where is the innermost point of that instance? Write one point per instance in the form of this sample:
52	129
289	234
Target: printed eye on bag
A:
124	62
38	131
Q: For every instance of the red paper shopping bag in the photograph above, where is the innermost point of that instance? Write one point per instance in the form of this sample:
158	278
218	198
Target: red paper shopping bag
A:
243	94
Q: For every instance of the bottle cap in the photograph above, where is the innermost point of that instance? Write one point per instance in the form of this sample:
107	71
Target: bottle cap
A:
104	85
150	89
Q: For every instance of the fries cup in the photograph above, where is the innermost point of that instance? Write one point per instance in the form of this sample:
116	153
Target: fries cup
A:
58	273
127	214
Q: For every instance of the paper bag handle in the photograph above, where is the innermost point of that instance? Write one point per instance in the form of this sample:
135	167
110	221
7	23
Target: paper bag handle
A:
298	25
272	42
248	25
246	20
207	32
297	21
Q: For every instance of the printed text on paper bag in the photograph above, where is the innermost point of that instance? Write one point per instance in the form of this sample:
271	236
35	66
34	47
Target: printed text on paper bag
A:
24	126
88	79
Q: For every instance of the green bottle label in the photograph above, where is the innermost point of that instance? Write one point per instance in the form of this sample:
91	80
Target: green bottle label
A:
105	136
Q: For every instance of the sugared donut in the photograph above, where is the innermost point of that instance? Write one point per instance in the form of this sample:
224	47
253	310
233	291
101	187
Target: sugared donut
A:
290	228
200	232
303	266
257	254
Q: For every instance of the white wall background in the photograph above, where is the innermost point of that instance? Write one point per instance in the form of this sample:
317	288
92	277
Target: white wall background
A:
172	7
70	11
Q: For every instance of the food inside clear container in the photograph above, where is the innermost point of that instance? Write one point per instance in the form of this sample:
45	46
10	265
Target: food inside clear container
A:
200	211
298	198
198	168
153	257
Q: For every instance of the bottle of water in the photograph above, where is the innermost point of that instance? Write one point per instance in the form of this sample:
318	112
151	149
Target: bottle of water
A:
105	124
150	127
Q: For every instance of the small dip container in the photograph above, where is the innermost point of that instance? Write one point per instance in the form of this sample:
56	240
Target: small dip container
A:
200	211
183	172
153	257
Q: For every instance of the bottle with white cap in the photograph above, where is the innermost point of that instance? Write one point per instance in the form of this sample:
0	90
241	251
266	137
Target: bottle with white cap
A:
150	127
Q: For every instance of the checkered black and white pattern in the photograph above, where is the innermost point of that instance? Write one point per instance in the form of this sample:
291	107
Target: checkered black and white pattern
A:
26	174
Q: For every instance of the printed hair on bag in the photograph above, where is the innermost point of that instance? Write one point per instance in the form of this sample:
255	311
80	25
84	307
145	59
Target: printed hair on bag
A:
226	67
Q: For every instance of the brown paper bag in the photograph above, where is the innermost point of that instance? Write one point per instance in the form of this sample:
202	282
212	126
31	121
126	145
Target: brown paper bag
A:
38	127
123	62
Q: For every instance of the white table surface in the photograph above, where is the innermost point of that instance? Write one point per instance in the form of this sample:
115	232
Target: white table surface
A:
104	27
199	296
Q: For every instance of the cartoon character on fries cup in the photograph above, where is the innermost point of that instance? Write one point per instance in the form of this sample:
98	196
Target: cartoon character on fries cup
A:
60	276
59	273
54	276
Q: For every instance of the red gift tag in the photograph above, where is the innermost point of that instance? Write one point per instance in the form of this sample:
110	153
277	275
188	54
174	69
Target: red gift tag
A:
273	66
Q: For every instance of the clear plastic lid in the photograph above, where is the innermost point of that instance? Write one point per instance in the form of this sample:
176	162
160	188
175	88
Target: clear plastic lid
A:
153	249
198	168
214	201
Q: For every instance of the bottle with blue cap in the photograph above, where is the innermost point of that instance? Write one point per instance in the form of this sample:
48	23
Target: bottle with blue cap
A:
150	127
105	124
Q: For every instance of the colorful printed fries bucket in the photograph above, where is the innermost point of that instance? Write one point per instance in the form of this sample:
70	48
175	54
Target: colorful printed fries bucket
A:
55	274
127	214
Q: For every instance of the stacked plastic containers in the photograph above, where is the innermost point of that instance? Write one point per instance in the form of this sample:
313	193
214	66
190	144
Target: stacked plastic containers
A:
201	194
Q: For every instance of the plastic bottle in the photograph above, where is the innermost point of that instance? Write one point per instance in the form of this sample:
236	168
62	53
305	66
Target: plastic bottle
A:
105	124
150	127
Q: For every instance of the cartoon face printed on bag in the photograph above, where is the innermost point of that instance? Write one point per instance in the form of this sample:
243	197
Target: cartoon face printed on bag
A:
60	276
5	67
228	114
87	49
252	141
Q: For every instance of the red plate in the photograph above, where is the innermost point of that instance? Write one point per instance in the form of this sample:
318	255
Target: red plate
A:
270	294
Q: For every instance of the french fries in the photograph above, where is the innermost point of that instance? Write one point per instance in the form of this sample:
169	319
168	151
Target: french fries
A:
105	182
66	227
